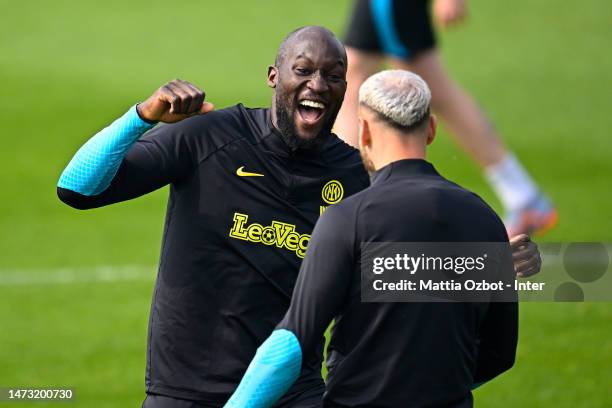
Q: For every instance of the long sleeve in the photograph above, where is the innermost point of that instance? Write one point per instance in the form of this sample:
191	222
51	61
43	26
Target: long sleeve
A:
498	341
499	331
320	292
274	369
95	164
122	162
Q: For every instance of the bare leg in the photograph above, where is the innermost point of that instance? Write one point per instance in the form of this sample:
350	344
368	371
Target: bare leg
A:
360	66
528	211
460	113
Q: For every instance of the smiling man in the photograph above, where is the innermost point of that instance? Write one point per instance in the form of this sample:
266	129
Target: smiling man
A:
305	114
246	188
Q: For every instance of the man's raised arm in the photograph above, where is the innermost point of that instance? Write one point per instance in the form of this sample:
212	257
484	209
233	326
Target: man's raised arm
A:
112	167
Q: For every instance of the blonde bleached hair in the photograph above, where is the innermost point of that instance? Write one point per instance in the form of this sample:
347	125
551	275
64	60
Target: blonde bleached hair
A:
399	97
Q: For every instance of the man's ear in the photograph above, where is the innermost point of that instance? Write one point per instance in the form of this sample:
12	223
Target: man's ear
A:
365	136
432	128
272	76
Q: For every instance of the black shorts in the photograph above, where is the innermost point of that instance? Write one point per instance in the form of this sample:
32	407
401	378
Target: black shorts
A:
400	28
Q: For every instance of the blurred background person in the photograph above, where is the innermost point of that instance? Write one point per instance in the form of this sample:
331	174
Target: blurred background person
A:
401	33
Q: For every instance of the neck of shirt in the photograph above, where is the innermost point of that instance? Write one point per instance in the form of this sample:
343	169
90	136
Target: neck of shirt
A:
403	168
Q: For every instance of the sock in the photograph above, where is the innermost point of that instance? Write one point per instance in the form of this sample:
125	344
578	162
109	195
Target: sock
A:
511	183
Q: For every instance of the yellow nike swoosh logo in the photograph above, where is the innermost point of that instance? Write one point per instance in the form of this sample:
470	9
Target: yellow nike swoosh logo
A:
243	173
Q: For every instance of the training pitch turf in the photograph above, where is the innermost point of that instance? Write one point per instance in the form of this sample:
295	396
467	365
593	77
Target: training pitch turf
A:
75	287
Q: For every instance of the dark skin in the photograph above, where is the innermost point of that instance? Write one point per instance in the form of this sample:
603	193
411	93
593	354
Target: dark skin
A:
313	66
526	256
173	102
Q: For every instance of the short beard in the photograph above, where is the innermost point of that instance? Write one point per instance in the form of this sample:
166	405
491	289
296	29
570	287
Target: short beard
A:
286	125
367	162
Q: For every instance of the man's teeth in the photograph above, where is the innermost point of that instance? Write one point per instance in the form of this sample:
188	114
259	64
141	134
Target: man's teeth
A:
312	104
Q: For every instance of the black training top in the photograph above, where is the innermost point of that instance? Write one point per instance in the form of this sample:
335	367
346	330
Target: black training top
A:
400	354
241	209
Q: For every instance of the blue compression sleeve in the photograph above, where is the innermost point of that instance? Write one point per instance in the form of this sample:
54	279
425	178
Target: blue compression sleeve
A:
93	167
274	369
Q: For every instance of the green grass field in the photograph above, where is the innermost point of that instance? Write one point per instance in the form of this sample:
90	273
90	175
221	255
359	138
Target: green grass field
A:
540	68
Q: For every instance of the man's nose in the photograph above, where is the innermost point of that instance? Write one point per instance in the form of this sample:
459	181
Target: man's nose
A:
317	83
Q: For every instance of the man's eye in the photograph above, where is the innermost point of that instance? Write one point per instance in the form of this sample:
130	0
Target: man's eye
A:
303	71
335	78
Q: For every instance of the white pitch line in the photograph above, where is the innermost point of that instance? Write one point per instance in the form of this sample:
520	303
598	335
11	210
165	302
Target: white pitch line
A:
104	273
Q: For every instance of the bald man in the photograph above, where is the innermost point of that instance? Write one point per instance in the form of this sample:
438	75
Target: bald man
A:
246	188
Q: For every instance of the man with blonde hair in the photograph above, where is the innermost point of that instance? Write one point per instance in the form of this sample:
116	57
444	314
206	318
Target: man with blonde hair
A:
384	353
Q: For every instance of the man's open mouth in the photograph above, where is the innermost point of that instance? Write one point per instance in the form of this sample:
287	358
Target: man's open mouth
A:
310	111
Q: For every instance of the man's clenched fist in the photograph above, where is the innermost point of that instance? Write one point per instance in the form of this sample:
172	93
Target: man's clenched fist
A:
526	256
174	102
